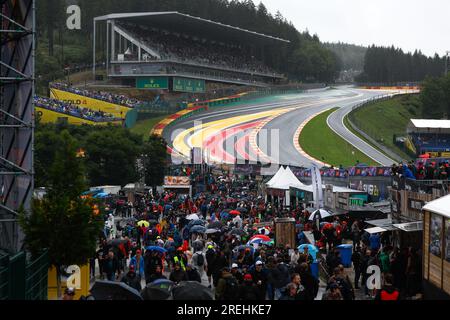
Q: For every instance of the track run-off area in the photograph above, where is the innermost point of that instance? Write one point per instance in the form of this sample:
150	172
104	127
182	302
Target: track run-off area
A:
265	130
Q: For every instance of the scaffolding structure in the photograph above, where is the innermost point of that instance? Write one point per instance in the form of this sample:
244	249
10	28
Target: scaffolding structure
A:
17	27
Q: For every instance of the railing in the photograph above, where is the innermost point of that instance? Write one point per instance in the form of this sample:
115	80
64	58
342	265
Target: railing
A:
24	280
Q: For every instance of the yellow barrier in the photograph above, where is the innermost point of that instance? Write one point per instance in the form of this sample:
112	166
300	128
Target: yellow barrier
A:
81	278
85	102
49	116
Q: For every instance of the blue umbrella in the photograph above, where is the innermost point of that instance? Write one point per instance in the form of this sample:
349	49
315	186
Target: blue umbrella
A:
224	215
311	249
156	248
101	195
162	282
197	229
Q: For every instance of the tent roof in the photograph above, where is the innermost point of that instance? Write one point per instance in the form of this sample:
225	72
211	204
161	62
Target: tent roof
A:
285	180
440	206
432	124
275	177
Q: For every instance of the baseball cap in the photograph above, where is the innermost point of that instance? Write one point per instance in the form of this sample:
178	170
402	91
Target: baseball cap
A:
234	265
210	247
248	276
258	263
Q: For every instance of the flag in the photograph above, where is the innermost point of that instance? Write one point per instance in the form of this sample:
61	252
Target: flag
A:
317	187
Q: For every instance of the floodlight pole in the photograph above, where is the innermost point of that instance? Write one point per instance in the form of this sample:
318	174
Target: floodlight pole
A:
447	55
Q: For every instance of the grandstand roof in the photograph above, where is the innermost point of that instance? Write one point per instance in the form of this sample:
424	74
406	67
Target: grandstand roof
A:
176	22
432	124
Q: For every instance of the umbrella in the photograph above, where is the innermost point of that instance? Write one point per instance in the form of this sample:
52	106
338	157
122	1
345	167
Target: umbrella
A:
169	243
197	229
235	212
143	223
320	214
264	231
192	217
242	210
260	236
255	241
101	195
111	290
311	249
191	290
224	215
157	290
196	223
238	232
211	231
156	248
215	225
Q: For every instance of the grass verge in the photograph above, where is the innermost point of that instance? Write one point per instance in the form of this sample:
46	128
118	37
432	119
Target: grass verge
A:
382	120
320	142
143	127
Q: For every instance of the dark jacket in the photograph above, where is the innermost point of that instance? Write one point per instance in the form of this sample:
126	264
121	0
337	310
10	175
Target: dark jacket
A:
311	285
155	277
132	280
110	266
193	275
248	291
178	276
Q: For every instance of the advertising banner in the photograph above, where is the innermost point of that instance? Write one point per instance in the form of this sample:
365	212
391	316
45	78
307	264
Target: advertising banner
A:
152	83
188	85
177	181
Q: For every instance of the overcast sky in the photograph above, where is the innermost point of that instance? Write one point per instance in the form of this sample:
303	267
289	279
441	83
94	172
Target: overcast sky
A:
408	24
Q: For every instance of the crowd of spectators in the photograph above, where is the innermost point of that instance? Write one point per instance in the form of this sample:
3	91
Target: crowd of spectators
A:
100	95
425	169
73	110
180	47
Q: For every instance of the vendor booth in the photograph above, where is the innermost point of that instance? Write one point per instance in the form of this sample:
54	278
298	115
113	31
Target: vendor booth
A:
436	249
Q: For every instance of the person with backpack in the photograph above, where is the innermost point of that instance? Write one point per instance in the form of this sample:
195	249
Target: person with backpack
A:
199	262
343	285
388	291
227	286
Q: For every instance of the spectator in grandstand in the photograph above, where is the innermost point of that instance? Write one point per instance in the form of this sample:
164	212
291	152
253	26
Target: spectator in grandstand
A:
100	95
72	109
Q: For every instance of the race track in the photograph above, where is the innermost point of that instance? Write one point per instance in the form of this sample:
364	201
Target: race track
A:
264	129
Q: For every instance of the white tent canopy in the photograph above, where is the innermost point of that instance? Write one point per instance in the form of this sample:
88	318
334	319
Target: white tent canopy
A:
375	230
284	179
440	206
275	177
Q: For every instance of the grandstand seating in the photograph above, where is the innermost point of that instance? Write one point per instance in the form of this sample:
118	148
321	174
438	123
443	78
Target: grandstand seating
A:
431	142
184	49
73	110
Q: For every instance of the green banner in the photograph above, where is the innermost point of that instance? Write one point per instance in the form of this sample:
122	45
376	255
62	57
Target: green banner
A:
188	85
152	83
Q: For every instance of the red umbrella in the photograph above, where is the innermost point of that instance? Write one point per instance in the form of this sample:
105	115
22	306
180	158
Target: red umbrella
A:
425	156
260	236
235	212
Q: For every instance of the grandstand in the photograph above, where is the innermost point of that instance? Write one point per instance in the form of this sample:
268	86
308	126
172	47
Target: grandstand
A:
178	52
430	136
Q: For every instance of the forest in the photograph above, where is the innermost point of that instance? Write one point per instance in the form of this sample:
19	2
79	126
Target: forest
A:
390	65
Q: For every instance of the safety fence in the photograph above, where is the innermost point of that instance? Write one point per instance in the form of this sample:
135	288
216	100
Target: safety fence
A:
22	278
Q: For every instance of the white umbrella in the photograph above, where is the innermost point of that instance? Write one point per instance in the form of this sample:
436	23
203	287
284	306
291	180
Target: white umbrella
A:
320	214
193	217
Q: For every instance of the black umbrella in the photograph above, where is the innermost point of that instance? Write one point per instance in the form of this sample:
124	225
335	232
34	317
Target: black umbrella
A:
158	290
196	223
110	290
238	232
191	290
215	225
242	210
